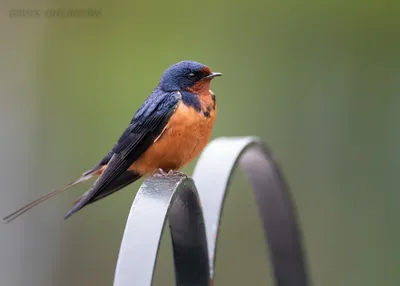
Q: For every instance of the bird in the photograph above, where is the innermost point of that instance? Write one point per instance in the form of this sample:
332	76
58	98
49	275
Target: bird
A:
168	131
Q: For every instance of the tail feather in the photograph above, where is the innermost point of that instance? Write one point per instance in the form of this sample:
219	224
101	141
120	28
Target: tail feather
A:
122	181
24	209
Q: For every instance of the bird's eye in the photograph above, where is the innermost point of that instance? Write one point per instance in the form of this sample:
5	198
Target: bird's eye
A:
191	75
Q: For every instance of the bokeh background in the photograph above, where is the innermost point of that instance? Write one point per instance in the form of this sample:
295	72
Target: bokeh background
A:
318	81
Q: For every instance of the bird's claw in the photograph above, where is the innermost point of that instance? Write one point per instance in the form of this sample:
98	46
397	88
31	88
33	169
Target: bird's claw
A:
162	173
176	173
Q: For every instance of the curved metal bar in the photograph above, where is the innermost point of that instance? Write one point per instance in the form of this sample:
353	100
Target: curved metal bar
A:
212	175
160	197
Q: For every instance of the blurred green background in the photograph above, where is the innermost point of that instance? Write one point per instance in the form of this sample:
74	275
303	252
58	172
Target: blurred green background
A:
318	81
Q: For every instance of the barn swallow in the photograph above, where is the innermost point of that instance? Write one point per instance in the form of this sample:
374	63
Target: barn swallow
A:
169	130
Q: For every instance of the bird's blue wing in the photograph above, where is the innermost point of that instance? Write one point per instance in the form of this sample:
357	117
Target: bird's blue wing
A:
145	127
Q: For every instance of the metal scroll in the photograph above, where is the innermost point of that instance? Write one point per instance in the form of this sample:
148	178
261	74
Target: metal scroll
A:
194	217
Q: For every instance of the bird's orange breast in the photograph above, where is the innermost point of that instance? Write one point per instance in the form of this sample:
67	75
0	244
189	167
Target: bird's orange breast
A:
183	138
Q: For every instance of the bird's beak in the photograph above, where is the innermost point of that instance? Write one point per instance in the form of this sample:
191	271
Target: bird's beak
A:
212	75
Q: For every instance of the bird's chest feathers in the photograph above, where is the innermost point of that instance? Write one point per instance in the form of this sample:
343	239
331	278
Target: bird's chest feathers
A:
193	121
185	135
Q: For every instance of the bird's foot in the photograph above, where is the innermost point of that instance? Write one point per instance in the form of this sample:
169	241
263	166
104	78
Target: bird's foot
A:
176	173
162	173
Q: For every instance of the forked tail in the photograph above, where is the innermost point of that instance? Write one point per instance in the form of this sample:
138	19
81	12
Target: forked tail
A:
27	207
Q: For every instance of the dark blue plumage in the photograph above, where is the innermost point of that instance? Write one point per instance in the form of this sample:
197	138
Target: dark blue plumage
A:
191	99
175	78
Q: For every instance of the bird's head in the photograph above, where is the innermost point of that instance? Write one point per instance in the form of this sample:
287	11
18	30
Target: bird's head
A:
187	76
